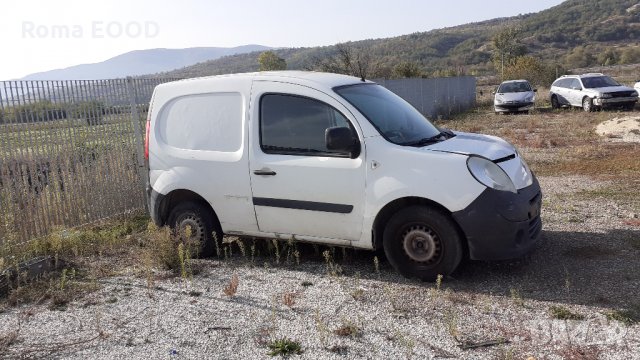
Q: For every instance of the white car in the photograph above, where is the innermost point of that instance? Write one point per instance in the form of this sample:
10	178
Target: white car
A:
514	96
591	91
334	160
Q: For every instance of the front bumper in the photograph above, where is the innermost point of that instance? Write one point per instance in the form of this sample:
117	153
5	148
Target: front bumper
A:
619	101
501	225
514	106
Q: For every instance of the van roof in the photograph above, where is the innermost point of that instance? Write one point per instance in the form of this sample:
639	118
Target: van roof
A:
325	79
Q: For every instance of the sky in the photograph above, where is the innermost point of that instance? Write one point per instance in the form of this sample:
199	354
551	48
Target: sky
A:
40	35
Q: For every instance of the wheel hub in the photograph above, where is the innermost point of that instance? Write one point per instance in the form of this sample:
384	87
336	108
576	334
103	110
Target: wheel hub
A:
421	244
191	229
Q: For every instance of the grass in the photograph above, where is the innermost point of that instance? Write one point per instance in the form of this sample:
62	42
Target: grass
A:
630	316
95	251
284	347
97	239
348	329
562	313
232	287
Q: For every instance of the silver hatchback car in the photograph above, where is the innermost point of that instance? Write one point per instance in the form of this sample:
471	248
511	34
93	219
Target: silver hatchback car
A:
514	96
591	91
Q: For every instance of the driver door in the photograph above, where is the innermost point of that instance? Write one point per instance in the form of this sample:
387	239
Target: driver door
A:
299	187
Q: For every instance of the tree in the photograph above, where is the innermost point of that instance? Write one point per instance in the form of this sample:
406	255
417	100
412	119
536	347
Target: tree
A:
346	60
630	55
354	62
608	57
407	69
580	57
269	61
532	69
507	48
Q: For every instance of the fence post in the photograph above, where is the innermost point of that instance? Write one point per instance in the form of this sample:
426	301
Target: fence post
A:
137	129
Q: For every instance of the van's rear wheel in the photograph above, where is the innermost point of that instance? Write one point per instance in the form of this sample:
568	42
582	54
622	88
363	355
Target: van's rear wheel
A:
194	225
555	104
422	242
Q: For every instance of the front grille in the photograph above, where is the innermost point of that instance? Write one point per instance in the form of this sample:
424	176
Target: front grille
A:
618	94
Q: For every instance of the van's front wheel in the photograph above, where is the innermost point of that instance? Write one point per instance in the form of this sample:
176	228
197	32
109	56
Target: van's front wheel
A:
422	242
194	225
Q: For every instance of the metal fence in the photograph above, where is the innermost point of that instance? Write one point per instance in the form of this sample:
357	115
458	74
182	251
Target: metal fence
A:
436	97
70	153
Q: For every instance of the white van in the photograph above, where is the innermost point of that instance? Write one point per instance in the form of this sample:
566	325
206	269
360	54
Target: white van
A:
335	160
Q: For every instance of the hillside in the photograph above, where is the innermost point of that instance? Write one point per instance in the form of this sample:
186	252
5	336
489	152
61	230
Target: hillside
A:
142	62
576	33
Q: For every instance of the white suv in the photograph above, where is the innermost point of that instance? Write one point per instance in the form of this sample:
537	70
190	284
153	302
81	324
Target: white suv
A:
590	91
336	160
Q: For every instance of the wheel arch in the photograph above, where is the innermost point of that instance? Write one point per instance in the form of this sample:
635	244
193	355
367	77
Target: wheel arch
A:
178	196
387	211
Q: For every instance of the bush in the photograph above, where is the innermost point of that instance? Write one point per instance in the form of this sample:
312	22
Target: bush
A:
90	111
39	111
532	69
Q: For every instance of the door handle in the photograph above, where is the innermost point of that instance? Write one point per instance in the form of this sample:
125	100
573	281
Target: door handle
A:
264	172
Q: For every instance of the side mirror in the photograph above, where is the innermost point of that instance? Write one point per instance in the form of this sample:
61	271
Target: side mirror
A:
340	139
535	90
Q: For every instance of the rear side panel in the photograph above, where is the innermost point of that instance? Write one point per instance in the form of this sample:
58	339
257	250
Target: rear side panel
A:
198	142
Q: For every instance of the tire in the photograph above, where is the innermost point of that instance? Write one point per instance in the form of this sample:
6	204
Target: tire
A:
422	242
203	224
554	102
587	104
630	107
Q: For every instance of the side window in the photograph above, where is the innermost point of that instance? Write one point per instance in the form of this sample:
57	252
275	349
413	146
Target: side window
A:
575	84
295	125
564	83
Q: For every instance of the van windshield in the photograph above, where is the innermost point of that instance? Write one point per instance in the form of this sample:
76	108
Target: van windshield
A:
396	120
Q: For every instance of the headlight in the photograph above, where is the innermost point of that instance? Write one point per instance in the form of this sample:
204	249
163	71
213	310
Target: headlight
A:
635	93
498	100
606	96
489	174
530	98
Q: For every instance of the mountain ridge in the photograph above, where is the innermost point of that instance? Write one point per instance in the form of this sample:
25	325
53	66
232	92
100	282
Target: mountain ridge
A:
142	62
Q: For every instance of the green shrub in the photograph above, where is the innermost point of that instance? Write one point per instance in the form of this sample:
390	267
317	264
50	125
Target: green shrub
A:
284	347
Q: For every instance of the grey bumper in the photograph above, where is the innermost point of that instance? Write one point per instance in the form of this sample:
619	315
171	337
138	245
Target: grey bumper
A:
501	225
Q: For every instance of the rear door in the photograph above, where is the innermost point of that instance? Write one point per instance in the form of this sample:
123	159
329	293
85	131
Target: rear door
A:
299	187
575	92
562	91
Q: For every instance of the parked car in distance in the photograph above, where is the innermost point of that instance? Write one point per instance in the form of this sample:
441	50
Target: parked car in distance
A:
334	160
591	91
514	96
636	87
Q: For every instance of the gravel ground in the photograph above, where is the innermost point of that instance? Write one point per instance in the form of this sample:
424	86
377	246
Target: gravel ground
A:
625	129
587	263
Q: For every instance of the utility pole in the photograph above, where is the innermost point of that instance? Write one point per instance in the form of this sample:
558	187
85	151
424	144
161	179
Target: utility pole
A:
502	64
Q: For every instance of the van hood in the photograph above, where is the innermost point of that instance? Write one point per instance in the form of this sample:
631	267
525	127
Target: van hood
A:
491	147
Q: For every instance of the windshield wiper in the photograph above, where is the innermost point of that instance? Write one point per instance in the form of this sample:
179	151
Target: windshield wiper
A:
444	134
426	141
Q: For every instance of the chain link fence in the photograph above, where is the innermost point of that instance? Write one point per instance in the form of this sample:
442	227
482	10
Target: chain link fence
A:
70	153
